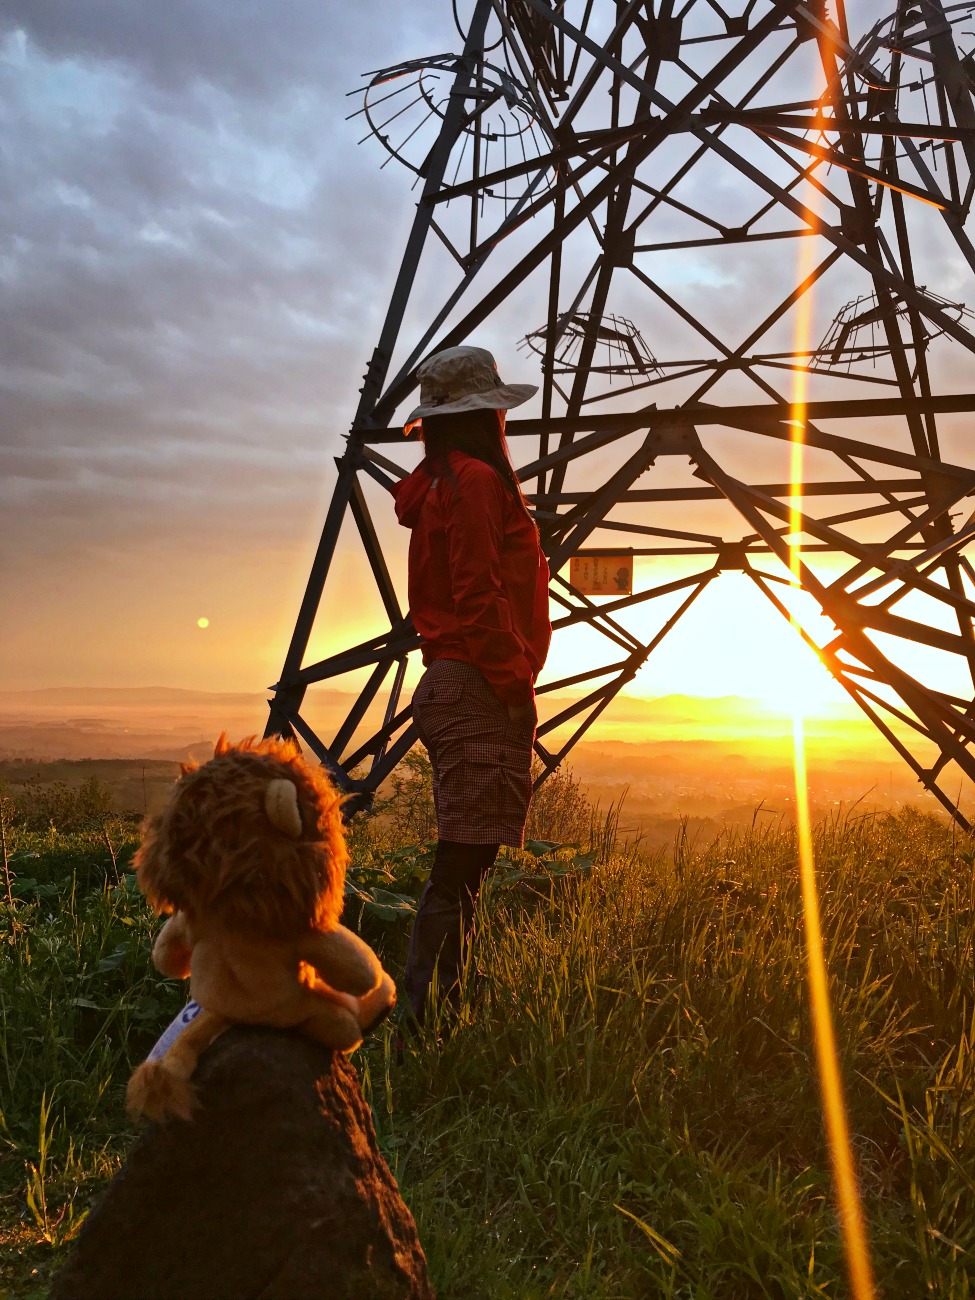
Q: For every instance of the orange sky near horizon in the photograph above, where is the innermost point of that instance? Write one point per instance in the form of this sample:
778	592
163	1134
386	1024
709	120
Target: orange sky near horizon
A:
730	643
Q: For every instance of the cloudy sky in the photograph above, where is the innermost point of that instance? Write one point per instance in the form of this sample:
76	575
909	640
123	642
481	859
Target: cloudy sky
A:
195	255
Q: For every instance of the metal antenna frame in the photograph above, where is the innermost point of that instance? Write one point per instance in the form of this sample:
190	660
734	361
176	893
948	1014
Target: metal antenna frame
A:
610	178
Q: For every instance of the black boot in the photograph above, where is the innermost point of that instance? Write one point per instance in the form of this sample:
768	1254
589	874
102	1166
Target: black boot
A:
444	921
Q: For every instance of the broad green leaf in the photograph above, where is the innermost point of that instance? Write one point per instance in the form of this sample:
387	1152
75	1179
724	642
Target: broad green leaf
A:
113	961
538	848
29	889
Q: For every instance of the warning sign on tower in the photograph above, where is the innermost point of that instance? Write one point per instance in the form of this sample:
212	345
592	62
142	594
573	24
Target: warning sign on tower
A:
602	575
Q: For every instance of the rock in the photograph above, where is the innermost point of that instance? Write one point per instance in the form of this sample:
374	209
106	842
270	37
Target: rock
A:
276	1189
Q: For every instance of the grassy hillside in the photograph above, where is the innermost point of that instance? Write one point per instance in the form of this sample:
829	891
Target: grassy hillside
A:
628	1105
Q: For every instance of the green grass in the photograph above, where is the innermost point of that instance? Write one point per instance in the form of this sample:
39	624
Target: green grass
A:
630	1107
627	1106
78	1004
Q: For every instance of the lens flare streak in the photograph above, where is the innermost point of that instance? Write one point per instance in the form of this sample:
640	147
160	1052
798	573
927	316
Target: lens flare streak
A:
831	1088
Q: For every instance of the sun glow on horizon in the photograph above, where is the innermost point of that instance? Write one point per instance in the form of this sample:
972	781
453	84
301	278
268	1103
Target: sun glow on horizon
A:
731	642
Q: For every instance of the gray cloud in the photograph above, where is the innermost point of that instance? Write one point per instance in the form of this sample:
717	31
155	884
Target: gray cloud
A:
195	257
251	49
192	249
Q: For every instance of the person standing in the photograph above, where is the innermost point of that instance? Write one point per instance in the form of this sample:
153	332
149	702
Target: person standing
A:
478	592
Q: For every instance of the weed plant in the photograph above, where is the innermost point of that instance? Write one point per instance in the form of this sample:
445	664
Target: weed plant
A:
626	1103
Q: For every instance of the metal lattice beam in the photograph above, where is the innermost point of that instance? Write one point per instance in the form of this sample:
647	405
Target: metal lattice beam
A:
582	165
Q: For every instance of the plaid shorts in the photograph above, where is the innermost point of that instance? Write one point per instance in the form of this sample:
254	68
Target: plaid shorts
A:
481	760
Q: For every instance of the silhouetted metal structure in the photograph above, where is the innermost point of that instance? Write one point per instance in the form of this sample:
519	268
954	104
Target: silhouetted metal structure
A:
681	183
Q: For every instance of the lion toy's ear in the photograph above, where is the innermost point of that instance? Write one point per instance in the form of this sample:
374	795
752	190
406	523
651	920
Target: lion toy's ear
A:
281	806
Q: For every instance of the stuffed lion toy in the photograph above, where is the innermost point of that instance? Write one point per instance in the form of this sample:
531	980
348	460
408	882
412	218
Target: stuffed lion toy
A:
249	856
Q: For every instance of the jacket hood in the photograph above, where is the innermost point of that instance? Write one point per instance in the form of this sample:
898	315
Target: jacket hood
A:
409	495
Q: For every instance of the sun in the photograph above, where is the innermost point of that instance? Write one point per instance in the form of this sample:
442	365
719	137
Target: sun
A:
733	642
798	681
202	622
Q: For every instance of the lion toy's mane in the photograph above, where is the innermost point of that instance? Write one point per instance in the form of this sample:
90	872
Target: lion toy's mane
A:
213	850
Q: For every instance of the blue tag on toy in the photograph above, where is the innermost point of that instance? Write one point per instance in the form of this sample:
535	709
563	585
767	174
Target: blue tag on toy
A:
185	1018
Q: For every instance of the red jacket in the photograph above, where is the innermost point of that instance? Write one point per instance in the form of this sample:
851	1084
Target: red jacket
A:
478	581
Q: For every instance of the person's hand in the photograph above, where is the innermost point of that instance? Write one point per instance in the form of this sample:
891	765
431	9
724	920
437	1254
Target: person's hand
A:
522	714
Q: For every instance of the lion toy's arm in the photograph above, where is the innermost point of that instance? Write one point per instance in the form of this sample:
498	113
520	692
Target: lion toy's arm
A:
173	947
342	960
350	967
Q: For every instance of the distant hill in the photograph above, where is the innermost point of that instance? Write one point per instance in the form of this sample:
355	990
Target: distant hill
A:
164	722
154	722
718	761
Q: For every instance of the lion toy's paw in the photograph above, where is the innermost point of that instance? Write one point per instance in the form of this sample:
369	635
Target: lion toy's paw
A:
376	1006
156	1093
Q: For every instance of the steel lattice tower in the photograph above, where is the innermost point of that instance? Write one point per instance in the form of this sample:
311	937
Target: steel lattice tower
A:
646	196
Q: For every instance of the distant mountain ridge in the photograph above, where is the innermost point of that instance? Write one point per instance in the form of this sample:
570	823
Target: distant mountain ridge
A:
79	722
83	695
718	759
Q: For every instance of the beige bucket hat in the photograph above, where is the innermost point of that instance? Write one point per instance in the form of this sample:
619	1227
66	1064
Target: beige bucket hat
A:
464	379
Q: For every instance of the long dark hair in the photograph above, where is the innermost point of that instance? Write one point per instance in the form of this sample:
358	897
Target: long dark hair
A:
479	434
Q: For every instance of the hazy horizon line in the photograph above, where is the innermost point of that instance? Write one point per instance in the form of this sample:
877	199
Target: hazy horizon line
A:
250	692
